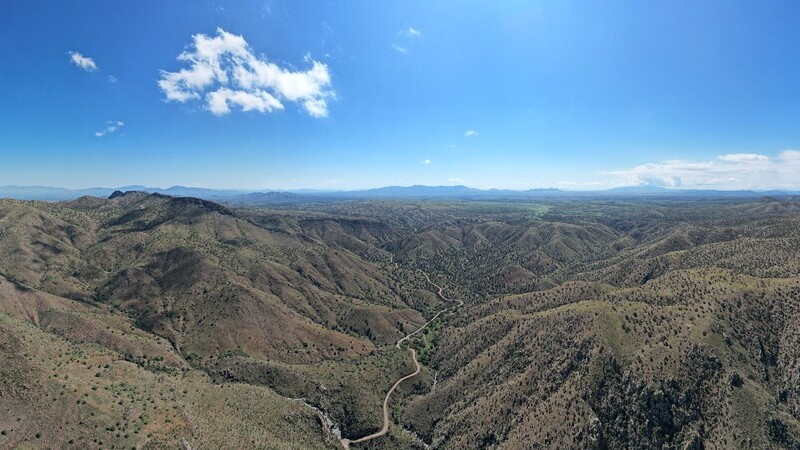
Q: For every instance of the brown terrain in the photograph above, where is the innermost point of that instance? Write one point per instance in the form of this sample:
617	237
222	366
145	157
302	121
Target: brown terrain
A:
151	321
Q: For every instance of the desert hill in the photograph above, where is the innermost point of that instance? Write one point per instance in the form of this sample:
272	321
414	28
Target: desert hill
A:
590	323
213	284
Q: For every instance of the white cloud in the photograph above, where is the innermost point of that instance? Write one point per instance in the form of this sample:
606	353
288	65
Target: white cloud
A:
218	101
84	62
743	157
316	107
790	155
455	180
729	171
111	127
112	79
471	133
426	162
404	38
410	32
224	71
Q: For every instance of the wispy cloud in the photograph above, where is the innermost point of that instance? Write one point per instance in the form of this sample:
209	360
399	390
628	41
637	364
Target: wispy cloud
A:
743	157
728	171
224	72
471	133
426	162
403	39
410	32
111	127
112	79
84	62
455	180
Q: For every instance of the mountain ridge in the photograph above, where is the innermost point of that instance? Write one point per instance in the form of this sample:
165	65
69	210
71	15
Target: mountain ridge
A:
243	196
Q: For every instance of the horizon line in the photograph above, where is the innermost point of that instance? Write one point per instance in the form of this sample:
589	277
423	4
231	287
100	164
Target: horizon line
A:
398	186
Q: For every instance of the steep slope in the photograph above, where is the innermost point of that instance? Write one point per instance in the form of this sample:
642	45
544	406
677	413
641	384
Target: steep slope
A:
74	375
685	337
219	286
196	273
698	356
496	257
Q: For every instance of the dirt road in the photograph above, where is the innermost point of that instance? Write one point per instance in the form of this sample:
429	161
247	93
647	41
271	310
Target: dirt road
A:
385	429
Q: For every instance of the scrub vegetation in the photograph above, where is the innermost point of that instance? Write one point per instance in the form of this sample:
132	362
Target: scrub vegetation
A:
151	321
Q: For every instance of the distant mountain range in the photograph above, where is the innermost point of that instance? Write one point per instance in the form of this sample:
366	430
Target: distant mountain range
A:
57	193
400	192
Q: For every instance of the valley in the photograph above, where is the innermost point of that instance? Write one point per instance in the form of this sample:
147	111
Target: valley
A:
155	321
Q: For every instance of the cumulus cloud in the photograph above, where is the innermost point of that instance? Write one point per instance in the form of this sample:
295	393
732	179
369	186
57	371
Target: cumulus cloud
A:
728	171
426	162
84	62
111	127
471	133
224	72
219	101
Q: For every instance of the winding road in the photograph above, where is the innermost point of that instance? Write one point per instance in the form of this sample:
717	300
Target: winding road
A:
385	429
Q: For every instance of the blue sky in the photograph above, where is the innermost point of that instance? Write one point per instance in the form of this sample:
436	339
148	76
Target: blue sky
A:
569	94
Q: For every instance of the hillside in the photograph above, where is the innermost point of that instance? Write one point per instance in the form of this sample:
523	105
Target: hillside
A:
683	338
162	321
216	287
